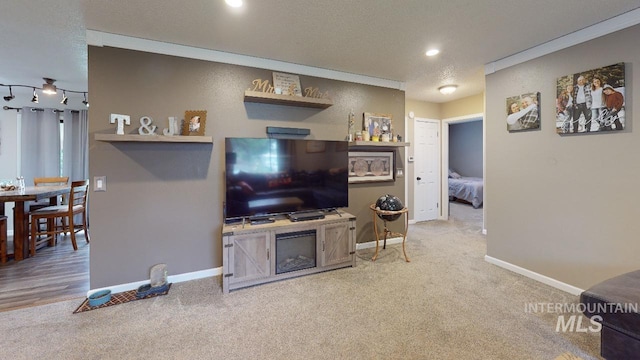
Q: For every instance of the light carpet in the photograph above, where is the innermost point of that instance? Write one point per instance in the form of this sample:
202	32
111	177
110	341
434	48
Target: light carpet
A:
447	303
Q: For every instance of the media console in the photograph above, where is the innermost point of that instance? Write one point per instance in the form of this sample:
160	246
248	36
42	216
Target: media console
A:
253	254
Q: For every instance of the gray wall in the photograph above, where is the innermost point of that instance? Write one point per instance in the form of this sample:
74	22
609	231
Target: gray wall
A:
564	206
164	201
465	148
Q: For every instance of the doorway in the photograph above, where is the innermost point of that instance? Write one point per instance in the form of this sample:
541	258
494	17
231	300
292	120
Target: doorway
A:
446	165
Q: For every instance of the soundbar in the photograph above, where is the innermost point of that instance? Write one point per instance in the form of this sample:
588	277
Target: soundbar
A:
287	131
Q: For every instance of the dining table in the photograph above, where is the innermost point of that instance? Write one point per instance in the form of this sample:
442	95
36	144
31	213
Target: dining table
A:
21	217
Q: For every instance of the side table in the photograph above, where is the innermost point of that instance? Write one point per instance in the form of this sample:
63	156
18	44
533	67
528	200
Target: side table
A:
386	232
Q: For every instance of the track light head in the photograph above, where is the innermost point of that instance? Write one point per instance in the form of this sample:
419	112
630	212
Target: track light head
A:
65	99
85	102
34	99
10	96
48	87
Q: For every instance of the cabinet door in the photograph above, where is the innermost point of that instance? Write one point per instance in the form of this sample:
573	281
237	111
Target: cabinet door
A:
336	244
249	257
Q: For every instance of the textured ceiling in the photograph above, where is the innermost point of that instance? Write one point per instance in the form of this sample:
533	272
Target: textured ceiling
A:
379	38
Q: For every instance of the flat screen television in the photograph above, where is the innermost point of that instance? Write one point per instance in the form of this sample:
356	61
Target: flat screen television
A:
268	176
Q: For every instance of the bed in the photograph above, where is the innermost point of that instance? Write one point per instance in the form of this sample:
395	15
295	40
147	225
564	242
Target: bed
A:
469	189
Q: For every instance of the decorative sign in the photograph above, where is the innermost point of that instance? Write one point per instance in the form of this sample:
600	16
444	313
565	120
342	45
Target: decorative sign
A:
122	120
173	129
261	85
287	83
145	126
315	93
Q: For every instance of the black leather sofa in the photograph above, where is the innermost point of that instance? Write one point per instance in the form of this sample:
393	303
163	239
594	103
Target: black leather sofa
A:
616	302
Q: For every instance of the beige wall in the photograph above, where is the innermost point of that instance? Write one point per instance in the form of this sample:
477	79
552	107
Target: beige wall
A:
563	206
164	200
466	106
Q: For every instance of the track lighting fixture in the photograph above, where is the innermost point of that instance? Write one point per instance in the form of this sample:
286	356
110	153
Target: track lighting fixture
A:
10	96
48	87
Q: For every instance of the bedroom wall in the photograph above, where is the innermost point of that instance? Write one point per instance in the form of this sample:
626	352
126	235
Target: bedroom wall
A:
465	148
164	201
564	206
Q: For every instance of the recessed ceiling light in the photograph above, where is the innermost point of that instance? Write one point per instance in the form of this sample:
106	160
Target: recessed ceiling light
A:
234	3
433	52
447	89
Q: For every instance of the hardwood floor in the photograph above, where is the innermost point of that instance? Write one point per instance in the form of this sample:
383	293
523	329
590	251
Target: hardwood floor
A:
54	274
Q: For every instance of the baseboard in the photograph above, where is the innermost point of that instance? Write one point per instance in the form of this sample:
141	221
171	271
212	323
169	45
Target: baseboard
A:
172	279
372	244
534	275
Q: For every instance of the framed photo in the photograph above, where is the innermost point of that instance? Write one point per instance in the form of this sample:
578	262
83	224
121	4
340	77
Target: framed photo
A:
314	146
194	122
591	101
377	124
523	112
371	166
287	84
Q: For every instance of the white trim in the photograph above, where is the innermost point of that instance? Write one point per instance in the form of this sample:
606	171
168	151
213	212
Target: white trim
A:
99	38
534	275
172	279
372	244
594	31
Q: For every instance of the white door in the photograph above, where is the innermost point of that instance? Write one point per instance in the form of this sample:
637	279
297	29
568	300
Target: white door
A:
427	169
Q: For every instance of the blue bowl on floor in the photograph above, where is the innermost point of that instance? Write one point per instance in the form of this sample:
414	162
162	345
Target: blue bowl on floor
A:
99	297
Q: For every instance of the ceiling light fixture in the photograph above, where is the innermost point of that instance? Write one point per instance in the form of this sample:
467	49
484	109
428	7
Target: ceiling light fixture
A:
10	96
234	3
433	52
48	87
65	99
85	102
34	99
447	89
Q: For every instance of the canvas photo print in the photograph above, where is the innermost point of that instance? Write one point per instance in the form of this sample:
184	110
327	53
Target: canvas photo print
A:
523	112
591	101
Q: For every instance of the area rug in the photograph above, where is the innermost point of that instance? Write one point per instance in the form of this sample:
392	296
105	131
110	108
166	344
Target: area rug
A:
116	299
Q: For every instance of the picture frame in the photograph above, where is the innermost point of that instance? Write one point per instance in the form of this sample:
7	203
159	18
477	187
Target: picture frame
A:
287	84
371	166
523	112
377	124
601	110
194	122
315	146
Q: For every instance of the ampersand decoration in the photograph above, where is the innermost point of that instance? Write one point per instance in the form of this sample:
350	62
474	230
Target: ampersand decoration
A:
145	126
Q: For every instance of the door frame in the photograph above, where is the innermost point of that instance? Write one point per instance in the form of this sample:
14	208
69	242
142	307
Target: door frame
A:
444	171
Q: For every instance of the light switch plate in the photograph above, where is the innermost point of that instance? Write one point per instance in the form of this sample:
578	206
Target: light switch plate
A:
99	183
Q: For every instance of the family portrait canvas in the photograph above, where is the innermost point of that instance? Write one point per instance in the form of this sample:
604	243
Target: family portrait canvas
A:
591	101
523	112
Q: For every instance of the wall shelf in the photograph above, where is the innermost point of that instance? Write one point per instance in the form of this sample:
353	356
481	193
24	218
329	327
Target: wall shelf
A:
354	144
153	138
288	100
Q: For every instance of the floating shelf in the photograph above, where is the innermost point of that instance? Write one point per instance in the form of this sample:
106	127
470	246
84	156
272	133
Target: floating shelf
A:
378	144
288	100
153	138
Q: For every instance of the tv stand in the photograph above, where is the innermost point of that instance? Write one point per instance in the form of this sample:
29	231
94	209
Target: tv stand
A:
249	251
305	216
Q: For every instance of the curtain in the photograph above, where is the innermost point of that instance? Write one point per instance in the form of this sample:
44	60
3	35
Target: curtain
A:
40	144
75	149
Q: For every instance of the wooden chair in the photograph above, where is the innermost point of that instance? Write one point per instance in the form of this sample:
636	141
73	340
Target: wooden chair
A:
49	181
77	204
3	239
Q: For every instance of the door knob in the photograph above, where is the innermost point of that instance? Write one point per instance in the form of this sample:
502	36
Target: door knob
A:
418	178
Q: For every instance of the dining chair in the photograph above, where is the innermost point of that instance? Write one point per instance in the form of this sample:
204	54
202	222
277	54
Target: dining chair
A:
77	204
3	239
49	181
